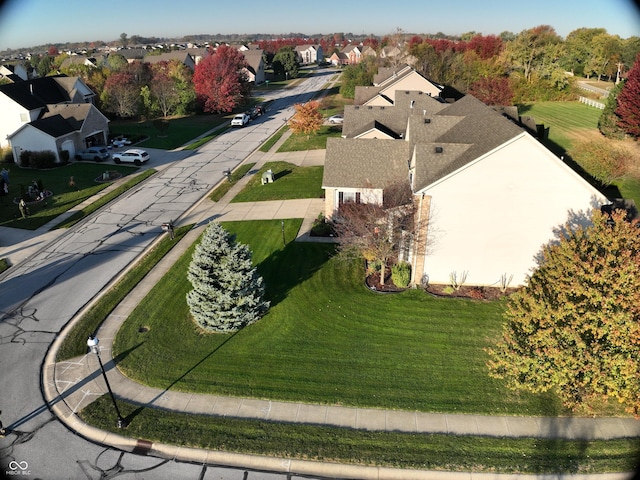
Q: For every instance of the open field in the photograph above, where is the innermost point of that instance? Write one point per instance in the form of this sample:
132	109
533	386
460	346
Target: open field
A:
568	121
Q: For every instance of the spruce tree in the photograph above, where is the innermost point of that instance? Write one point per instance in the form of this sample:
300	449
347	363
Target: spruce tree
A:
628	109
227	291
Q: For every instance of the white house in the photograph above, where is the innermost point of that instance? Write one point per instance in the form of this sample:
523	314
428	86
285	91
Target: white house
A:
309	54
26	101
489	195
63	127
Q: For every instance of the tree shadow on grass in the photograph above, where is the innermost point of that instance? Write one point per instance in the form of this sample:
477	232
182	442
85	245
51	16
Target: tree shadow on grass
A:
291	266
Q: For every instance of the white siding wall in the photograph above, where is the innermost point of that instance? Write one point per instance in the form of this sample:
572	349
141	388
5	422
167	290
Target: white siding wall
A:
492	217
12	117
32	139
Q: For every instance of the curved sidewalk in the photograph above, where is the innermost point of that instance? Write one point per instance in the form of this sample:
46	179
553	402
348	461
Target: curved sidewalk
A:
70	385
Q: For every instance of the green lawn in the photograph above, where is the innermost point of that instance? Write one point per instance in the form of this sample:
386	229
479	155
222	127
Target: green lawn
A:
182	130
56	180
566	119
290	182
345	445
300	142
326	339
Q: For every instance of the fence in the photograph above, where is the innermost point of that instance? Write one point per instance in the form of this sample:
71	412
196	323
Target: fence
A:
592	103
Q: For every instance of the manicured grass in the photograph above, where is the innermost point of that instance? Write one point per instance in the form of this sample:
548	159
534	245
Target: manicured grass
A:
300	142
182	130
392	449
75	341
629	188
56	180
103	200
326	339
290	182
566	119
266	146
222	189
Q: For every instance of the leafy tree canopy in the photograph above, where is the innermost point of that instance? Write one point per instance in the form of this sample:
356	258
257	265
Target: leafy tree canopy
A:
628	110
575	327
307	119
221	81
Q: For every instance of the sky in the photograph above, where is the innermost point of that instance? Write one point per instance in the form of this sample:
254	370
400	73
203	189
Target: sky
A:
28	23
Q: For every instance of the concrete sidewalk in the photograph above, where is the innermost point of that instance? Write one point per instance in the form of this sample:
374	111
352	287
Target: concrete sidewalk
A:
71	385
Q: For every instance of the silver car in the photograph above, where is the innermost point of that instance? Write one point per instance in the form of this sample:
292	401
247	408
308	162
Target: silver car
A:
97	154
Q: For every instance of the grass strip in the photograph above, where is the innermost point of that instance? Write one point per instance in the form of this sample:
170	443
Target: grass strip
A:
75	343
103	200
344	445
222	189
266	146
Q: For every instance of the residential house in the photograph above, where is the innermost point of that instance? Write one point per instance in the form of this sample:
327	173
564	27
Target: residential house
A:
339	58
308	54
41	100
132	54
15	72
489	194
63	127
255	62
78	60
391	80
181	56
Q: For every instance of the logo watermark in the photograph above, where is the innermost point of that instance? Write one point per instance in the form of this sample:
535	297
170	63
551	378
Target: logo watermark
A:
18	468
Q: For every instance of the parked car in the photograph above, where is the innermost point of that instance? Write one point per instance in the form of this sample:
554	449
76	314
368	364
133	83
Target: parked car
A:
336	119
134	155
256	111
240	120
97	154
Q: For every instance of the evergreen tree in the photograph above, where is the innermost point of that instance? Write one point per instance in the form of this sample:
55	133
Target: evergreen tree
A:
575	327
227	291
608	121
629	102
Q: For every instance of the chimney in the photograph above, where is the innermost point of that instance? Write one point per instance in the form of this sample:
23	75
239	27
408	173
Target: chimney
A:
439	149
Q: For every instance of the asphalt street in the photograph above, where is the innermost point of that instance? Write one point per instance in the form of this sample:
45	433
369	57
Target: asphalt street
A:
42	293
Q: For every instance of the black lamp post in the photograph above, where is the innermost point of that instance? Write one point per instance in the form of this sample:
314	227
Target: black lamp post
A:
92	343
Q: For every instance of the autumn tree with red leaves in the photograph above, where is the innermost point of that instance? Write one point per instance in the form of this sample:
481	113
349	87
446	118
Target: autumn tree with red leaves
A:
121	95
492	91
628	100
220	80
575	327
307	119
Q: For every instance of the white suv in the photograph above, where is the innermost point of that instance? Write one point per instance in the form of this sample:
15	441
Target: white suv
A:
240	120
135	156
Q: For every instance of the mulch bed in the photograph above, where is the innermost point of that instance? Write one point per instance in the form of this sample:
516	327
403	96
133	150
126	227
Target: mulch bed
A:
468	291
373	283
440	290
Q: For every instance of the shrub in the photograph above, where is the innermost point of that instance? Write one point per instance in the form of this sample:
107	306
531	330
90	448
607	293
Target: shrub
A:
321	227
401	274
43	159
602	160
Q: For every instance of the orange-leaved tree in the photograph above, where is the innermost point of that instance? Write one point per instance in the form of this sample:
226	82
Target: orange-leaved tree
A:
307	119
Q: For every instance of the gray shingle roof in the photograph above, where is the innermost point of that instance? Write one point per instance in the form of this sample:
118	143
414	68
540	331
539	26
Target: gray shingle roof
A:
463	131
365	163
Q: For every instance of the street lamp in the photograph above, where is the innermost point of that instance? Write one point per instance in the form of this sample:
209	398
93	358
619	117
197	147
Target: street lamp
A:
92	343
